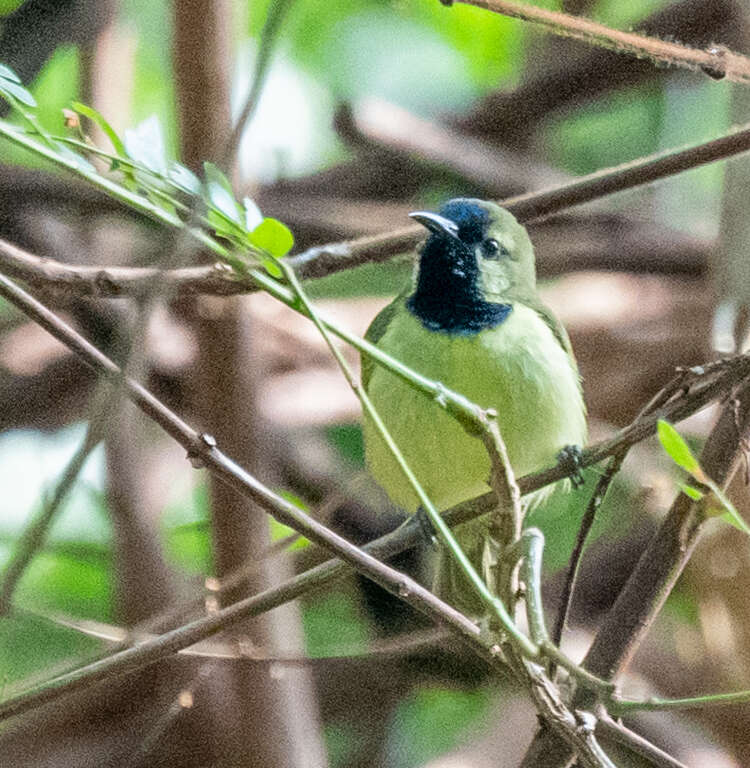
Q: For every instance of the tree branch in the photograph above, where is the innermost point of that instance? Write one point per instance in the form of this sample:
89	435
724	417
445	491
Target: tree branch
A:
658	569
35	534
324	260
707	384
718	62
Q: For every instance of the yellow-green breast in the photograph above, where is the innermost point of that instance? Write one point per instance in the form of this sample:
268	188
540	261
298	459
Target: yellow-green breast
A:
517	367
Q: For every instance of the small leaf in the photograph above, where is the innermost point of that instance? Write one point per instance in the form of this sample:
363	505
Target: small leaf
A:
95	116
224	227
726	510
16	91
220	195
693	493
223	201
6	73
185	179
145	144
214	174
273	237
270	265
676	447
253	216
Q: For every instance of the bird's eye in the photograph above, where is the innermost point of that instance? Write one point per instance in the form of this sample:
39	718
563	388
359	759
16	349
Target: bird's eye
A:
493	250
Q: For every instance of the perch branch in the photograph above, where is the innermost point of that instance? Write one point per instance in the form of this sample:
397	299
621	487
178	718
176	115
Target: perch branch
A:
708	384
658	569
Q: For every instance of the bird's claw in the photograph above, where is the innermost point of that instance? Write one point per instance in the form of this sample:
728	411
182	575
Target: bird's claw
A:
570	460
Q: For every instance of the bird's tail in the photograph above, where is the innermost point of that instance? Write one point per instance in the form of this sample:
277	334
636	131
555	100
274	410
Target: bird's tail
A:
450	583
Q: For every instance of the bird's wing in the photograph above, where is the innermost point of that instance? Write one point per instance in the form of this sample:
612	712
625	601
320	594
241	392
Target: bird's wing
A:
375	332
555	326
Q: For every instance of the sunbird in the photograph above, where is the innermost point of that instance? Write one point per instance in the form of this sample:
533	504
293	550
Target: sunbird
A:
471	318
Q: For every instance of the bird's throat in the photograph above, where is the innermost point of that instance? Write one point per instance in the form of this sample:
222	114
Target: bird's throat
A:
456	312
447	296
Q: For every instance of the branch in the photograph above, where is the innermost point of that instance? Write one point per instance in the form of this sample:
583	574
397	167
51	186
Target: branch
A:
399	133
576	73
202	451
324	260
670	549
717	61
708	383
34	535
659	567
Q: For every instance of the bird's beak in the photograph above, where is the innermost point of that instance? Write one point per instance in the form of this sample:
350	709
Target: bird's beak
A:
437	224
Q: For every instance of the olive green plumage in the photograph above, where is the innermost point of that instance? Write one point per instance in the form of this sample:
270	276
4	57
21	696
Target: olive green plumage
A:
471	319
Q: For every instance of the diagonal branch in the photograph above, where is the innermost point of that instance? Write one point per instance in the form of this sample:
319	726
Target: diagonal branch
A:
34	535
717	61
202	451
707	383
658	569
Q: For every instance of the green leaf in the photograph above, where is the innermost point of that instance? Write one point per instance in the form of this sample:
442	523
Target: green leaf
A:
730	514
184	178
14	91
6	73
220	195
214	174
678	449
693	493
96	116
273	237
223	201
225	227
270	265
253	216
145	144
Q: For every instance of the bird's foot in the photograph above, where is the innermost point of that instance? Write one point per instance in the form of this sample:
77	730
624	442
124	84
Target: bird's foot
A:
570	460
426	527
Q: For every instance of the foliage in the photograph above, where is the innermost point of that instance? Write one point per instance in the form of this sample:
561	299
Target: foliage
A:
443	65
680	452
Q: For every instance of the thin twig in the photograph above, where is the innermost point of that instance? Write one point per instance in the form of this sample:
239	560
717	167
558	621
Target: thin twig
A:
658	568
395	647
587	522
33	537
718	62
611	729
146	744
678	383
277	10
622	706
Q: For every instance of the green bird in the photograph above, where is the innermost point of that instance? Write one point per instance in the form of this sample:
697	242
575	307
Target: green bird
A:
472	319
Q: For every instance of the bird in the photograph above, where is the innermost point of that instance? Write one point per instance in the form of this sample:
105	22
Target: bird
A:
471	318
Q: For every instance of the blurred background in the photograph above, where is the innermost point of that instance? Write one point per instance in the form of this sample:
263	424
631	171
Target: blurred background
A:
370	109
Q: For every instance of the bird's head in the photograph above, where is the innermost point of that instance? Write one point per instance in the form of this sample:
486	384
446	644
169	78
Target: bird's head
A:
476	258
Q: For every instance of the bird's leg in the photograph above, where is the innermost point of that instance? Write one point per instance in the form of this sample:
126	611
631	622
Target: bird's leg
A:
426	527
570	460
